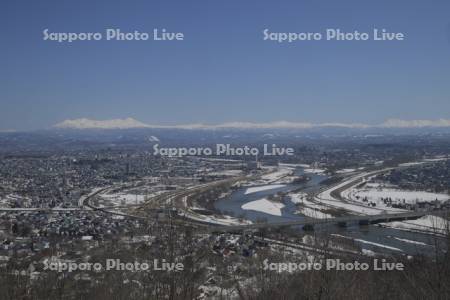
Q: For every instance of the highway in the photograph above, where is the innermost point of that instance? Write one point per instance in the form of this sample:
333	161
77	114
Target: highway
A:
165	201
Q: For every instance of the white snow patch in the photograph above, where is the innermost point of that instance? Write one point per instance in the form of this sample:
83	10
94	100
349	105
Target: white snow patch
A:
313	213
256	189
314	171
343	171
432	224
226	173
105	124
368	242
309	208
410	241
367	252
265	206
153	138
397	195
277	174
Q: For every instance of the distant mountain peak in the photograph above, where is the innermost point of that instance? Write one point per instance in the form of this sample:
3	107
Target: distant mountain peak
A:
129	123
84	123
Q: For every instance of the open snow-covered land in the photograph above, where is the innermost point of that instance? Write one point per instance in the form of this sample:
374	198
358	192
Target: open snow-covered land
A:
430	224
213	219
314	171
124	198
308	208
327	199
409	241
421	162
274	175
355	207
226	173
368	242
375	194
256	189
313	213
277	174
294	165
344	171
265	206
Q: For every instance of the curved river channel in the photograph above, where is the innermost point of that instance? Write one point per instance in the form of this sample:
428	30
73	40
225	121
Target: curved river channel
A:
375	238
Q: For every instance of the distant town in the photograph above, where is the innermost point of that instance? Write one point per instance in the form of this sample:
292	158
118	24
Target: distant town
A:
81	197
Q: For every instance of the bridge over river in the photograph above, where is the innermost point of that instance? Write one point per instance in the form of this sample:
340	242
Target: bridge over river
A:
309	223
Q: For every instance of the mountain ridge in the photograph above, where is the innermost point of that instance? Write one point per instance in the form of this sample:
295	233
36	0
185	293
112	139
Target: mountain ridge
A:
129	123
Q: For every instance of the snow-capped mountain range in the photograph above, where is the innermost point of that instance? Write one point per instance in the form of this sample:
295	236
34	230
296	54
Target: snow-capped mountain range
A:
129	123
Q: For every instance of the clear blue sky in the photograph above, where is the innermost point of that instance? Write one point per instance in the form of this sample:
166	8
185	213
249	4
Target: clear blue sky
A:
223	70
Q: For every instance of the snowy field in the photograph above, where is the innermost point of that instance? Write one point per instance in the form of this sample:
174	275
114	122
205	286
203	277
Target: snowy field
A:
277	174
256	189
265	206
375	194
314	171
124	199
219	220
312	213
430	224
308	208
357	208
375	191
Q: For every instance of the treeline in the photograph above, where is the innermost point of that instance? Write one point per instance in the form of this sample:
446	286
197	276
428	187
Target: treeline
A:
208	274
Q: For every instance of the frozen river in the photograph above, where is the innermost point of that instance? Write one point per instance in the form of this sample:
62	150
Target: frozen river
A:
375	238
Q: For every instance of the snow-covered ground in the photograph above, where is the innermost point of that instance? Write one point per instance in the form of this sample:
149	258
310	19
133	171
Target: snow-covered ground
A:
274	175
265	206
421	162
375	195
375	191
354	208
256	189
314	171
277	174
308	208
297	197
312	213
357	208
226	173
343	171
409	241
430	224
124	198
294	165
219	220
368	242
326	195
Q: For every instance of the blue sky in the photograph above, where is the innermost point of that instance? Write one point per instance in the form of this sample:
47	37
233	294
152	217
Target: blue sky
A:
223	71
